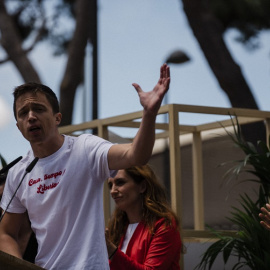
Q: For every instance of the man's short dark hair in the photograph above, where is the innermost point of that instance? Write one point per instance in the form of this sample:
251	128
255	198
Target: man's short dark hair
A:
32	87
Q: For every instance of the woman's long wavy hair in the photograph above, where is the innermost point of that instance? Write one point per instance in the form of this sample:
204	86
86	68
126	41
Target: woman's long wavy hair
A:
154	204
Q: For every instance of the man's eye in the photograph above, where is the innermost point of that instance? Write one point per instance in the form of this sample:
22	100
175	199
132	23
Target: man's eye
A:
22	113
39	109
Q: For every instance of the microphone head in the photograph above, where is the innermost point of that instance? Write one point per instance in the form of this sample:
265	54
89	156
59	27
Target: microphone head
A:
11	164
32	164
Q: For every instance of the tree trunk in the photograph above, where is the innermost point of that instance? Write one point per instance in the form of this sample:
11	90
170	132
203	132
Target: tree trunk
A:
73	75
209	33
11	42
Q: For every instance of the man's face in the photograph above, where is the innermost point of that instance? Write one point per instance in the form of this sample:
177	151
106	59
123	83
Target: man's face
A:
35	117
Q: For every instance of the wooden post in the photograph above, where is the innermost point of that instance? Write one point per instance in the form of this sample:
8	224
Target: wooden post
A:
198	182
175	167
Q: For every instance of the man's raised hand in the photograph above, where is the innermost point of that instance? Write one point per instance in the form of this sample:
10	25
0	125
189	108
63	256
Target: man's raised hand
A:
152	100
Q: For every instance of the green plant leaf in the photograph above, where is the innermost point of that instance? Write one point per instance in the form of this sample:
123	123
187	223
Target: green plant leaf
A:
251	243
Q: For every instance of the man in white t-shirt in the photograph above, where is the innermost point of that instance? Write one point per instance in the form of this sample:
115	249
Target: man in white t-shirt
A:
63	192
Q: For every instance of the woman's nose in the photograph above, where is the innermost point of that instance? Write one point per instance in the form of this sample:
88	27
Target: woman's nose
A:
113	189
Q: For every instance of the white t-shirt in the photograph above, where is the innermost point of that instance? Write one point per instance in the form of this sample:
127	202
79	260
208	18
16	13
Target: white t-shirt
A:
63	197
130	230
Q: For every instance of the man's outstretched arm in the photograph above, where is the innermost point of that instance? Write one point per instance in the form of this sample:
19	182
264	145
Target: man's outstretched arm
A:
122	156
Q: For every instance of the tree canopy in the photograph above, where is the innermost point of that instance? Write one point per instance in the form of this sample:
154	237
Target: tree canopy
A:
69	24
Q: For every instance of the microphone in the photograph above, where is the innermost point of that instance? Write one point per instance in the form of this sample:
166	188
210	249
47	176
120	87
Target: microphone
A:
11	164
31	165
27	170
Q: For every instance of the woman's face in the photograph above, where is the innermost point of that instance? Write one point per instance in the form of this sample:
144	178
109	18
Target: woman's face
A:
125	192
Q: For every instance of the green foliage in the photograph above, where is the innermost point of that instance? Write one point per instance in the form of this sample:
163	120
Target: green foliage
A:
43	20
251	243
256	161
247	16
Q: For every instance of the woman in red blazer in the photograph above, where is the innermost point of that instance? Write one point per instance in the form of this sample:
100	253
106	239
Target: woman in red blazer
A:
143	232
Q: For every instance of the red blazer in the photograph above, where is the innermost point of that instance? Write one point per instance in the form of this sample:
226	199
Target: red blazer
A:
146	251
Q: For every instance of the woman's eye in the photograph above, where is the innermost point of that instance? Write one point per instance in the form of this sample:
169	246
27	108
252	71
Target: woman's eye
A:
120	183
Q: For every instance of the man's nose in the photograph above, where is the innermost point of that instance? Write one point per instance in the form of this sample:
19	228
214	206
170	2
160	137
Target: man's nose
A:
31	115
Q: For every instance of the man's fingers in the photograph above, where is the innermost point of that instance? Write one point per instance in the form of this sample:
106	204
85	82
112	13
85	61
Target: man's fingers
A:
167	83
137	87
164	71
266	226
168	71
265	217
265	211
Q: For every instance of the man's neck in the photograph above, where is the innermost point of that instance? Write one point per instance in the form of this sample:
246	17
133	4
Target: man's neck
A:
45	149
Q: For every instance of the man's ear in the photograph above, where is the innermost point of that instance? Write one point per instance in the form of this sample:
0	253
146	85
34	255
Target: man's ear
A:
58	118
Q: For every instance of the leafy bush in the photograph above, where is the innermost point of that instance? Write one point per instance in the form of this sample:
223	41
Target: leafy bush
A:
251	243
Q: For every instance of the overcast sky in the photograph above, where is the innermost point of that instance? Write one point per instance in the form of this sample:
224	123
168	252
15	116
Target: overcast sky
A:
135	38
